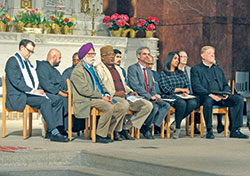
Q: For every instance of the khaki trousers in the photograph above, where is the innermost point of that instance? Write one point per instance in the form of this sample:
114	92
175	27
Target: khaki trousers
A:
111	118
141	110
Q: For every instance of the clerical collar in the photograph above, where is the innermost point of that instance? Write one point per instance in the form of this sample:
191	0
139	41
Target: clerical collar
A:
207	65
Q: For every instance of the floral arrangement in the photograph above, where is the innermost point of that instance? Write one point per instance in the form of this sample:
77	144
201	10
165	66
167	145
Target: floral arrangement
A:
4	18
148	24
60	20
29	16
116	21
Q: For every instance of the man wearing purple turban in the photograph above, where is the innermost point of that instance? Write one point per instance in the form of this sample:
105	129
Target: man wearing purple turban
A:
89	91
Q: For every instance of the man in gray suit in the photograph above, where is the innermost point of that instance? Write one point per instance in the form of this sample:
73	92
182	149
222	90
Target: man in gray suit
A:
23	88
140	79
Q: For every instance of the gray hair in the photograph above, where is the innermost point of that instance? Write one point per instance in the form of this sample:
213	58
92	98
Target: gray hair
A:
138	51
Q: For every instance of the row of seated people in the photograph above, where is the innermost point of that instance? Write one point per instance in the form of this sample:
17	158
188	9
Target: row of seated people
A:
105	88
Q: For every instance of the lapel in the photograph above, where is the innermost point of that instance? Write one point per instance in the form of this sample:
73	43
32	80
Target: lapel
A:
141	75
106	72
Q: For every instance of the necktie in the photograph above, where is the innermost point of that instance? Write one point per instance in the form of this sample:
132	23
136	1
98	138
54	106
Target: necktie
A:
31	77
146	80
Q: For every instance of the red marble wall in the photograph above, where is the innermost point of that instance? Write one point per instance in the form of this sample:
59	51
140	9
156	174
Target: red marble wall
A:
191	24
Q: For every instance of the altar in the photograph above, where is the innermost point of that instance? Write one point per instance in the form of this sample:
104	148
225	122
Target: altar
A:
69	44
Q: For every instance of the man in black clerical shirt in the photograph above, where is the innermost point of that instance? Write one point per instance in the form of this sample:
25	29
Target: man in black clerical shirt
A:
208	78
54	85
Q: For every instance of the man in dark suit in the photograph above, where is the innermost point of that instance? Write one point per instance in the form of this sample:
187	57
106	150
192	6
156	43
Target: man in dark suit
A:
23	88
208	78
140	79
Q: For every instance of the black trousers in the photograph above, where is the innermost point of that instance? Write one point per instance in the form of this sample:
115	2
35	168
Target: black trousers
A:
235	104
45	107
183	107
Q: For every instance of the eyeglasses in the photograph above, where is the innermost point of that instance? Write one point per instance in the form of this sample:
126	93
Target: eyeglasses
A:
30	51
109	54
91	54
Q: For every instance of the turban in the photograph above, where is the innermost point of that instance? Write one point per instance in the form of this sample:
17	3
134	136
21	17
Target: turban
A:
106	49
85	49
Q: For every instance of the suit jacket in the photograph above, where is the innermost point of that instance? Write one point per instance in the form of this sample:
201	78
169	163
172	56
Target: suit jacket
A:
83	91
137	83
199	80
16	86
107	78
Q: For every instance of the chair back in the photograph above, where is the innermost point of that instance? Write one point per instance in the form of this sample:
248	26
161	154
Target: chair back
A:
242	81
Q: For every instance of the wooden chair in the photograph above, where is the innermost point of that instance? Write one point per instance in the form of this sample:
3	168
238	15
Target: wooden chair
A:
93	113
27	111
172	111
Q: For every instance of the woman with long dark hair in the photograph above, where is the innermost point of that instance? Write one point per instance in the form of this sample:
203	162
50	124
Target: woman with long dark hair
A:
173	83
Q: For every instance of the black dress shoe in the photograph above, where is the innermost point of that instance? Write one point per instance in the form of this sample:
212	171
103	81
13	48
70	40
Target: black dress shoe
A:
125	135
59	138
117	136
220	128
101	139
109	139
196	131
210	134
148	135
238	134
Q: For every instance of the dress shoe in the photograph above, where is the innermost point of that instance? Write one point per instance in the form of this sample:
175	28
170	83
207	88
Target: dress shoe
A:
117	136
125	135
220	128
148	135
100	139
109	139
238	134
210	134
196	131
59	138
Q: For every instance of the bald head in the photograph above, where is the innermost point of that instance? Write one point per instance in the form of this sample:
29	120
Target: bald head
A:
54	57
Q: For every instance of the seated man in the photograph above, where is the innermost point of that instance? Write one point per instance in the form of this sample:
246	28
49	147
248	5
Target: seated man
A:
77	124
140	79
54	85
118	57
113	80
67	72
208	78
23	88
89	92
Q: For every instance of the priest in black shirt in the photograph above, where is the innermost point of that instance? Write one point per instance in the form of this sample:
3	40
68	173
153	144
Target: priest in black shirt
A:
207	78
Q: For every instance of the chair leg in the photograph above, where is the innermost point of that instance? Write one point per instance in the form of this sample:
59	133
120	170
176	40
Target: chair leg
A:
137	133
17	115
93	131
25	123
168	126
162	129
226	124
70	125
201	122
192	124
187	125
3	123
30	124
86	128
153	129
132	133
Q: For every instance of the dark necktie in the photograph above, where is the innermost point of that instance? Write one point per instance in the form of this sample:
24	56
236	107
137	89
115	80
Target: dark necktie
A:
146	80
31	77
